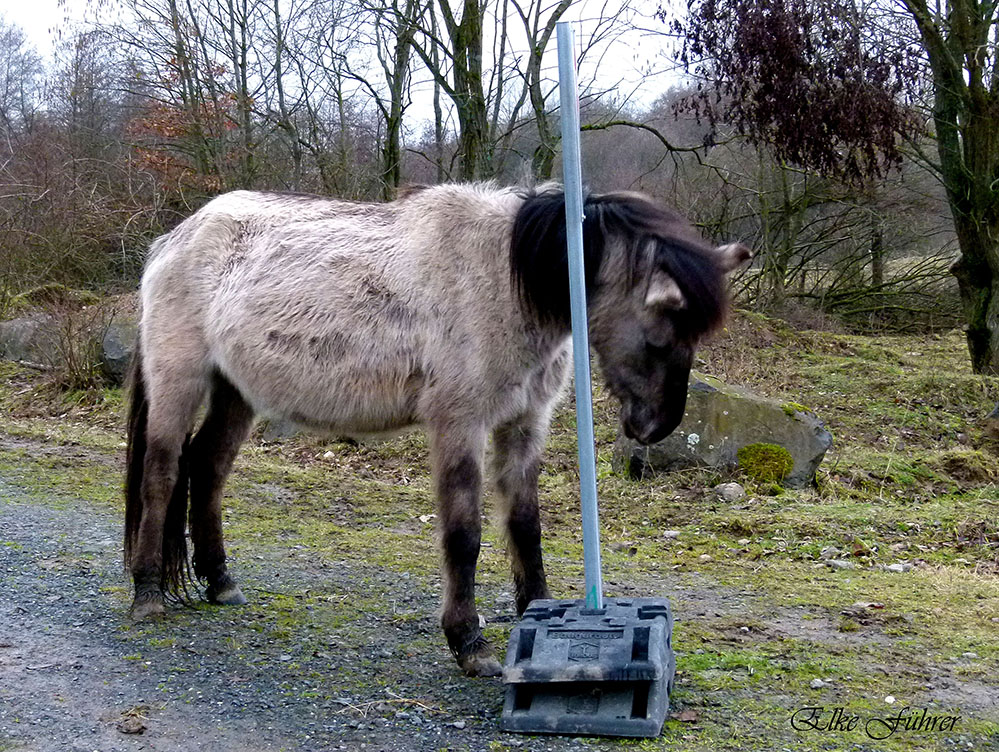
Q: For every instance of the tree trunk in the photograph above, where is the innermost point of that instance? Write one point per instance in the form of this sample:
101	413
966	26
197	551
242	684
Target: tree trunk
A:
965	107
474	152
398	84
877	256
980	300
289	127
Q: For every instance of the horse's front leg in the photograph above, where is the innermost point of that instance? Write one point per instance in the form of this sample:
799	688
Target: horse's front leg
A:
458	472
518	446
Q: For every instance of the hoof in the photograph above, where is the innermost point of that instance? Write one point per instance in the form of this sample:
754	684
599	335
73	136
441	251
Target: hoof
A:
230	596
482	662
147	608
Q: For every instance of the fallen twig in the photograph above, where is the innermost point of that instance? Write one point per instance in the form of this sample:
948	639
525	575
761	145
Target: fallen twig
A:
35	366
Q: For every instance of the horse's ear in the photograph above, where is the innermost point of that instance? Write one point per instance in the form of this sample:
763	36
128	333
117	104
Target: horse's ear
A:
732	255
664	292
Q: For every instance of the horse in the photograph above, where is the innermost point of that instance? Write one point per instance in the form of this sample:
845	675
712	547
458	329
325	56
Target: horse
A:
447	309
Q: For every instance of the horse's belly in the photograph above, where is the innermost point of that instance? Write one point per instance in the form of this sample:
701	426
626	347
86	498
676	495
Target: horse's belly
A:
346	405
332	389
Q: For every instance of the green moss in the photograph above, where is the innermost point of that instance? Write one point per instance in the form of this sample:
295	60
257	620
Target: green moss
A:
969	466
766	463
790	408
53	294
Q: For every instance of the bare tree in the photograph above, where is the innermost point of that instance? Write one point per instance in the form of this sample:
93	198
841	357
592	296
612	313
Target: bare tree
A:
20	82
826	84
961	41
388	31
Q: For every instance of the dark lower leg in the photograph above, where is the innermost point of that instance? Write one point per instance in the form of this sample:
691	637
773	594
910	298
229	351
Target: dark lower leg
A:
159	478
459	617
524	534
459	485
213	452
517	469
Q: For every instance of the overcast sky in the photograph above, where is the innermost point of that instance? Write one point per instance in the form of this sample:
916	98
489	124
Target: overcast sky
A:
634	66
41	20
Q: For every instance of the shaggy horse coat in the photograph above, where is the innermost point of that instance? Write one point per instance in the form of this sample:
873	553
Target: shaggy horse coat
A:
447	308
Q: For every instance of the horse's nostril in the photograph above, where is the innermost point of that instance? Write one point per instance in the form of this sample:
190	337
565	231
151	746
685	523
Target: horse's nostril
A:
654	430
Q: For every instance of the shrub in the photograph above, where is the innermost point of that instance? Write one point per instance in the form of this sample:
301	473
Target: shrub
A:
78	333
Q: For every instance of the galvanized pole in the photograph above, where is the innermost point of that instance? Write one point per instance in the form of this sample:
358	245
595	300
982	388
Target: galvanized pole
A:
572	177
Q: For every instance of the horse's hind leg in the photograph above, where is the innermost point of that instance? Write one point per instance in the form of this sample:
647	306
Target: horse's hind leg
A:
518	445
158	557
457	462
213	452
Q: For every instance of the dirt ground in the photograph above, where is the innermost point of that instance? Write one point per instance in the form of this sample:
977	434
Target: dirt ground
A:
339	647
70	677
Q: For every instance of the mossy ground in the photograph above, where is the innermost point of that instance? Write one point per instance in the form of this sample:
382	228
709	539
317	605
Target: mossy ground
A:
911	480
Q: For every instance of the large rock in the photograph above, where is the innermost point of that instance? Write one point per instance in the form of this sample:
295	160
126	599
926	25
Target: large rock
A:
30	338
117	347
36	339
719	420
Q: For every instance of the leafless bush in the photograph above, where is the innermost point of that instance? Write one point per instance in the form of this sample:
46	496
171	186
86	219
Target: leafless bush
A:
77	335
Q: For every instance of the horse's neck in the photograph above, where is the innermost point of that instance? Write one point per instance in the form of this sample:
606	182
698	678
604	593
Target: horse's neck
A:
545	342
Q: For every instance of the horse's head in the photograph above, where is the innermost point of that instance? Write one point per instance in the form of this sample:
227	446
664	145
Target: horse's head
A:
659	290
654	289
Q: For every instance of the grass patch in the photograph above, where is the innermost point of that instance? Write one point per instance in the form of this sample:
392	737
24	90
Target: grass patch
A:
760	616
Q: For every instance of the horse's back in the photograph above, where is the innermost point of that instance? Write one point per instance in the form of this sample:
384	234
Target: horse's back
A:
337	314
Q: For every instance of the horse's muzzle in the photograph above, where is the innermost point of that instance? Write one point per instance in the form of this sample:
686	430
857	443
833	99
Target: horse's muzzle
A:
646	428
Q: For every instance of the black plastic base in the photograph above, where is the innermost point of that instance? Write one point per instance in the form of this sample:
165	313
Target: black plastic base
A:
601	672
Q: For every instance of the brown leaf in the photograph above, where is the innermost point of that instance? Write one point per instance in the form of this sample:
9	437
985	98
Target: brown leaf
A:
686	716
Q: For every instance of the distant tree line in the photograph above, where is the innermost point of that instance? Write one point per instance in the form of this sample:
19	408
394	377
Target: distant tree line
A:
134	124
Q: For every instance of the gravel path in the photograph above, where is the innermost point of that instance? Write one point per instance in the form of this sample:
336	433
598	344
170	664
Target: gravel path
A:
76	675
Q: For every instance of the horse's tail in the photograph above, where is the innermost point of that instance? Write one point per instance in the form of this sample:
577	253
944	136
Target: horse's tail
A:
135	457
176	571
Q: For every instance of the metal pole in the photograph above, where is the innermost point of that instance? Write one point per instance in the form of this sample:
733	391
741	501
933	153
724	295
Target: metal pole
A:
572	177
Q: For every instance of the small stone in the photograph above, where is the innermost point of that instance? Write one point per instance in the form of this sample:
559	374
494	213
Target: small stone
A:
705	557
130	725
899	568
890	700
459	724
818	684
329	455
743	541
626	547
284	657
829	552
969	655
671	533
730	492
743	629
840	564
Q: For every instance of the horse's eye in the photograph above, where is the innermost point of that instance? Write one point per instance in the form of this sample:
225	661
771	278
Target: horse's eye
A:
659	337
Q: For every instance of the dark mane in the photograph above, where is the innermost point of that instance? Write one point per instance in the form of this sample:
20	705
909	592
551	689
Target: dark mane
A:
539	264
